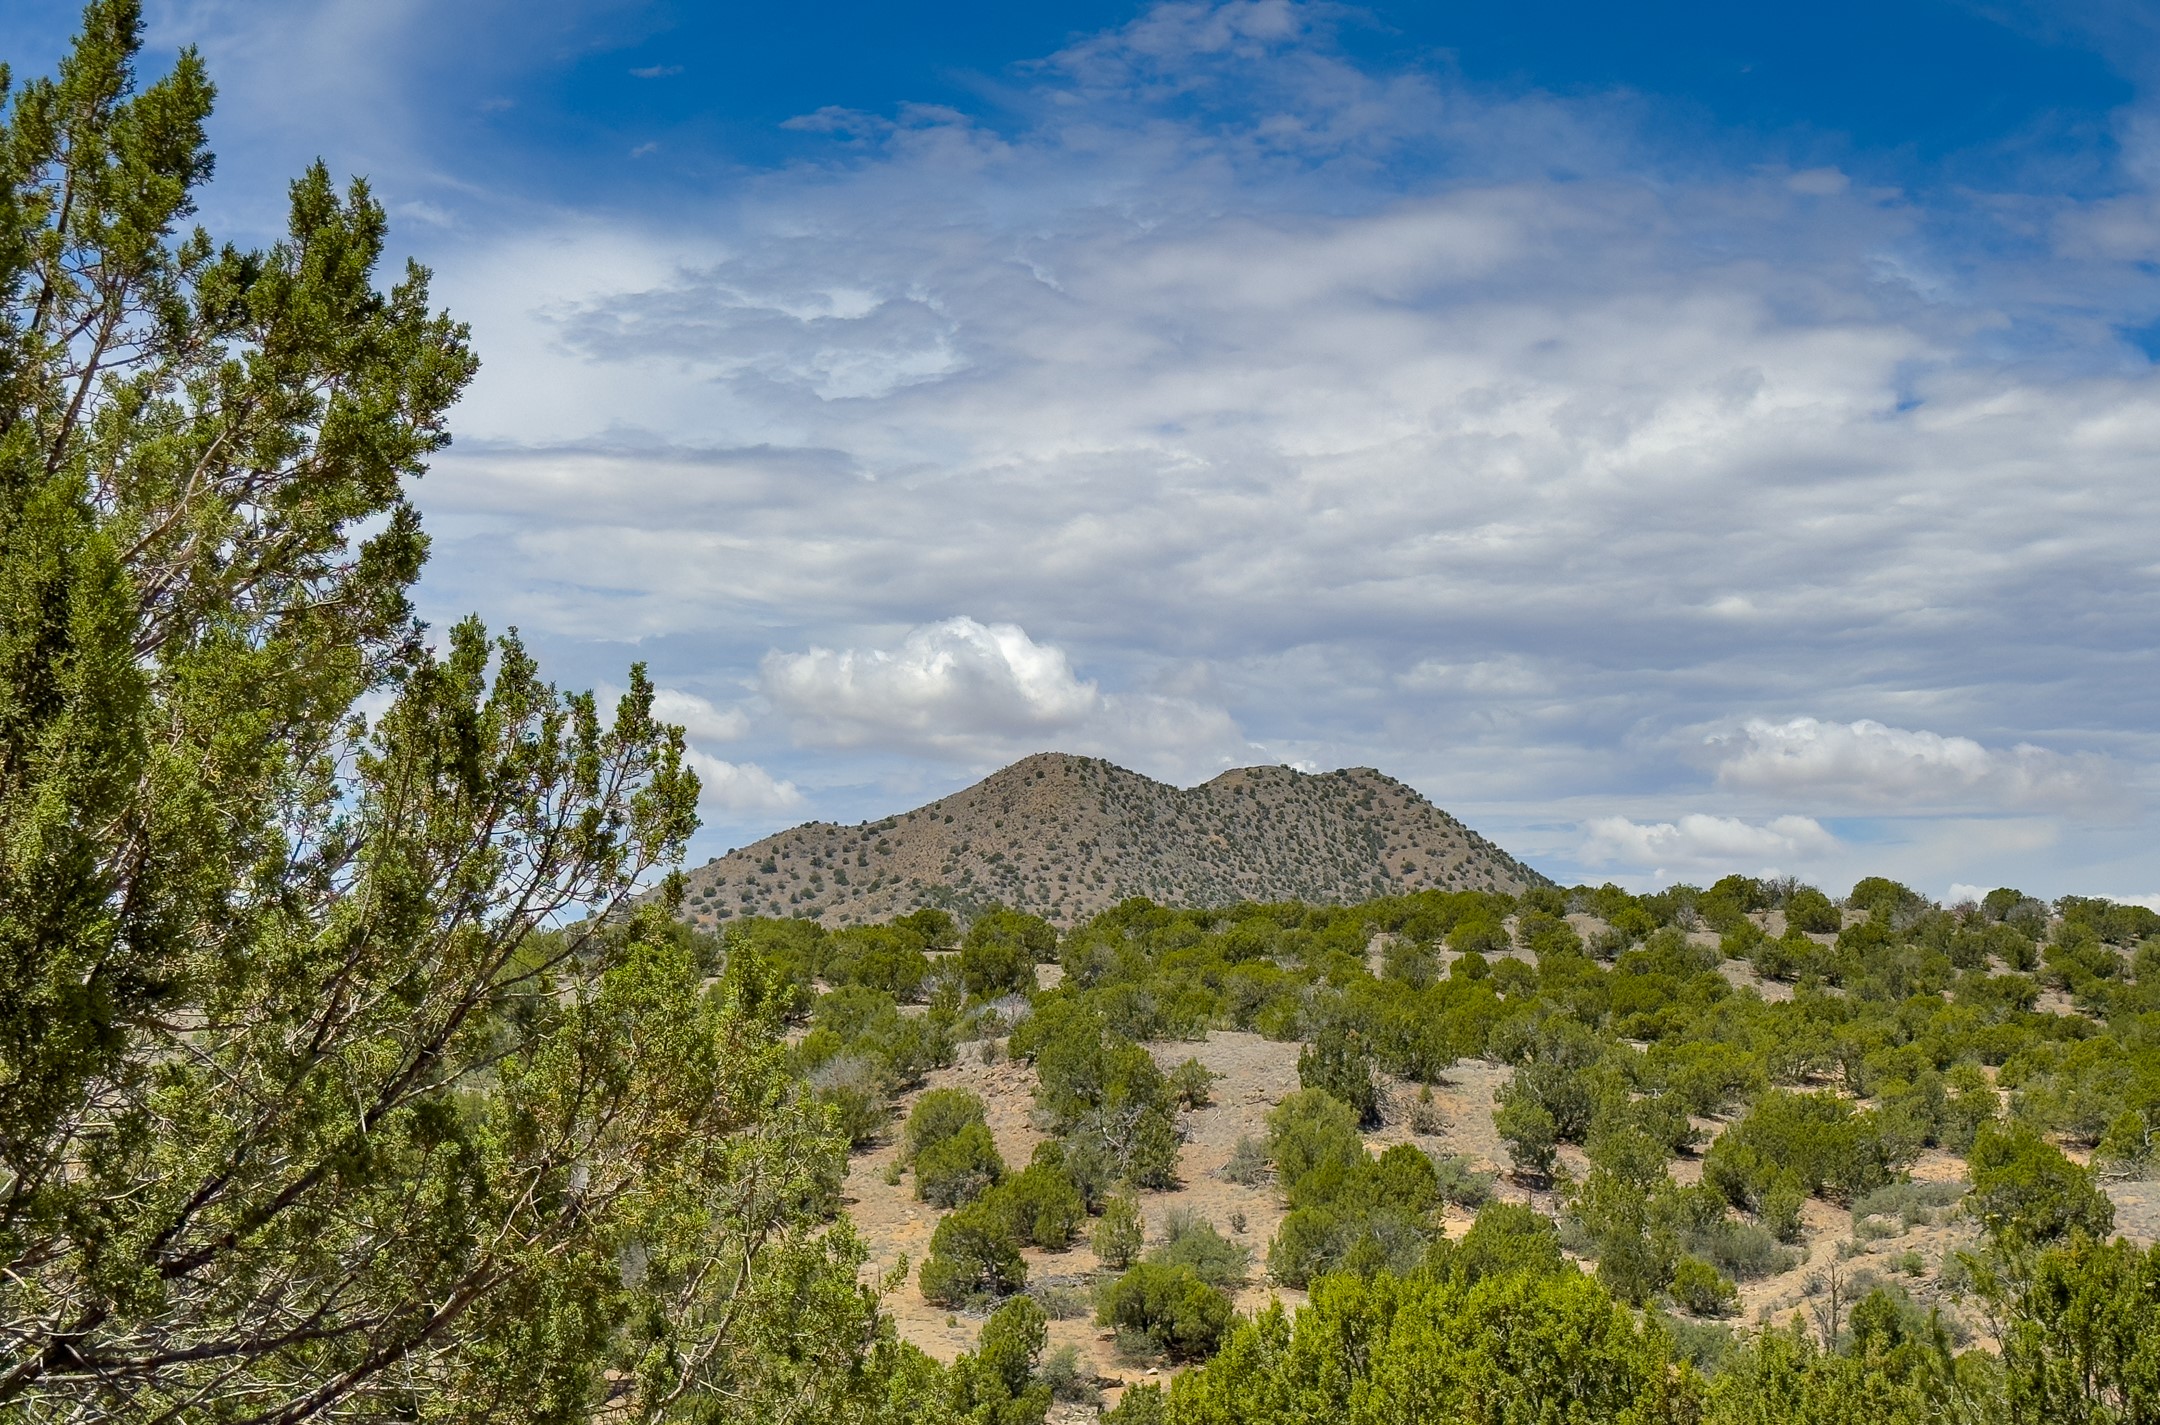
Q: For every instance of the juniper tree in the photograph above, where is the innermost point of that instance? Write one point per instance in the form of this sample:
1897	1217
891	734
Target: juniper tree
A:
310	1105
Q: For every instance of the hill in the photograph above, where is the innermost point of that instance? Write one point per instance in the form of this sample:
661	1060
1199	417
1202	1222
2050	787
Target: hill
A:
1065	837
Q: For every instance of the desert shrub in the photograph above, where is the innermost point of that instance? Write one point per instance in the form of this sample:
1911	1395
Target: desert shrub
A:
973	1257
1063	1302
1795	957
1191	1240
1511	1347
2026	1193
1909	1204
1425	1115
1818	1139
1745	1251
1119	1233
1190	1083
1039	1204
1339	1062
1348	1209
1000	1382
1141	1404
1702	1289
1412	962
1101	1089
855	1019
1480	937
1506	1238
1001	950
1310	1127
1069	1381
959	1168
879	957
935	928
1459	1182
937	1116
1706	1076
1527	1127
1249	1162
1170	1306
1780	1206
1809	910
853	1087
1544	933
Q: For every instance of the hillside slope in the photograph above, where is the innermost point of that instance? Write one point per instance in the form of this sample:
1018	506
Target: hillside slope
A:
1065	837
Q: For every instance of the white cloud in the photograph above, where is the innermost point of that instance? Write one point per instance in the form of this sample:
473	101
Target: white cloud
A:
983	692
1903	769
1216	347
739	788
700	718
1702	842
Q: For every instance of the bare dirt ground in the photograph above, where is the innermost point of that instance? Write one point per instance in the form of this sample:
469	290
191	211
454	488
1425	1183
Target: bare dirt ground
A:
2137	1210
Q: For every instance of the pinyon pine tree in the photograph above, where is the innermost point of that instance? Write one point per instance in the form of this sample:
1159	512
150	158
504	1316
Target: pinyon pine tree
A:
310	1106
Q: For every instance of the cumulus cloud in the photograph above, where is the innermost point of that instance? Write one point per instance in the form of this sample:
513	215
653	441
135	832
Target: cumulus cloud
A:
1904	769
699	718
975	692
737	789
1702	842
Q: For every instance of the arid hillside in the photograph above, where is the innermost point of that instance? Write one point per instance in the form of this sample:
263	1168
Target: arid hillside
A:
1064	837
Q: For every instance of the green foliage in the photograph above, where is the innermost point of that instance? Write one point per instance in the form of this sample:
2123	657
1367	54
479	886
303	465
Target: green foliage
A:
1506	1239
937	1116
1785	1378
1171	1307
1810	911
935	928
342	1073
1527	1127
1119	1233
1460	1183
974	1256
881	957
1702	1289
1508	1347
1337	1062
2026	1193
958	1168
1191	1082
997	1383
1039	1204
1101	1090
1190	1240
1000	951
1816	1139
2080	1347
1346	1207
1142	1404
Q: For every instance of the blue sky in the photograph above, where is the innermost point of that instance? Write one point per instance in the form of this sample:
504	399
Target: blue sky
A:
1676	437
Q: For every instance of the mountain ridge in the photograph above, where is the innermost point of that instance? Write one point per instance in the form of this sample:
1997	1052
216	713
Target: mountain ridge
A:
1065	837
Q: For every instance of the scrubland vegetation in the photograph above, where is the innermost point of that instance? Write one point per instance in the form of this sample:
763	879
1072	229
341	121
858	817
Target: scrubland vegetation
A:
354	1066
1692	1074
